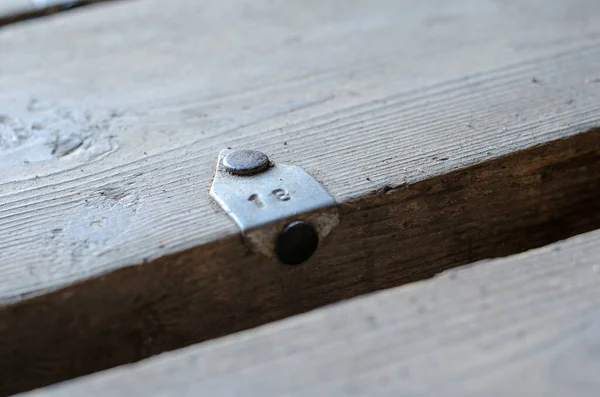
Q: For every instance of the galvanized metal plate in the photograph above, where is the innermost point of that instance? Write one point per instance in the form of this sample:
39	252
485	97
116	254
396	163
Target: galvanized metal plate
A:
282	192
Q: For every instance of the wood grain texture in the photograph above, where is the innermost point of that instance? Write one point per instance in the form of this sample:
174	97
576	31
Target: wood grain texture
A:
527	325
102	128
460	129
394	236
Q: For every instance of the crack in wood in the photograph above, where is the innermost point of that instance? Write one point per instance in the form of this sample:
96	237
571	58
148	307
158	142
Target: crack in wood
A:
32	10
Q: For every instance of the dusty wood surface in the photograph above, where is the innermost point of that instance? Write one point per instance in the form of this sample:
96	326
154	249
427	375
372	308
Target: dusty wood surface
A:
527	325
403	112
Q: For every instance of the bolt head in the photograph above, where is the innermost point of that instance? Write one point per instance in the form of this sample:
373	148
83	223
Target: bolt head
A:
296	243
246	162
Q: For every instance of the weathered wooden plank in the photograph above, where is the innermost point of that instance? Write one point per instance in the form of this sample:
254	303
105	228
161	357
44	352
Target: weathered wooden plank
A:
493	209
527	325
422	120
79	131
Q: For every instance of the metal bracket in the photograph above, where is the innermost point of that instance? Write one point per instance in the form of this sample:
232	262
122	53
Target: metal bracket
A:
274	205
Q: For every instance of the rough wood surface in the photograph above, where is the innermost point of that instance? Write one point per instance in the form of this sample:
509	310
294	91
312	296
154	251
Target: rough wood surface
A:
404	112
109	143
527	325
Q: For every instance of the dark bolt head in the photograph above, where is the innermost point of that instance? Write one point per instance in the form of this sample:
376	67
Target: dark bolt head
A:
296	243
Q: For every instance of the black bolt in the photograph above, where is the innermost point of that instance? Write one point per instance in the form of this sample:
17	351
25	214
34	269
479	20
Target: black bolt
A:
296	243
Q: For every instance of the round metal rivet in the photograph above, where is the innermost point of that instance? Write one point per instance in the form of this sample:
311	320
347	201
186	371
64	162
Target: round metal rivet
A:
246	162
296	243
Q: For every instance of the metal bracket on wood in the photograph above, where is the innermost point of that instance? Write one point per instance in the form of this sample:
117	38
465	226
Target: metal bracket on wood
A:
281	210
